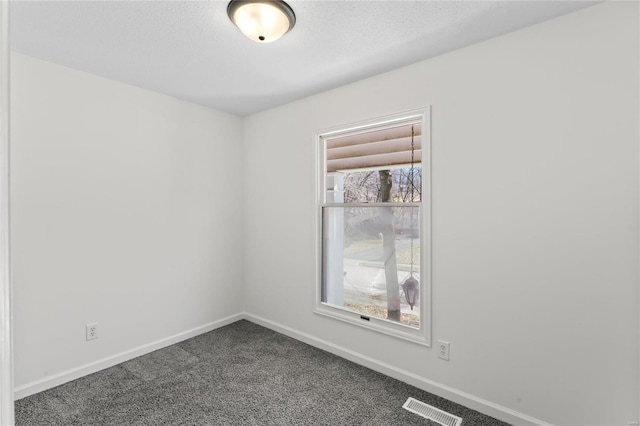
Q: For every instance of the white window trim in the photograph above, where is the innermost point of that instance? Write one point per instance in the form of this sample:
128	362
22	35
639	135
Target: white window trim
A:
422	335
6	339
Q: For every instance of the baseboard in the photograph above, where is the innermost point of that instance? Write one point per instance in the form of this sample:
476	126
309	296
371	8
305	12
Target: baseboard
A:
471	401
93	367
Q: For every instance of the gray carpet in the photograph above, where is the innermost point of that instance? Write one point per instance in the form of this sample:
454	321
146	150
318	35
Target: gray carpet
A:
241	374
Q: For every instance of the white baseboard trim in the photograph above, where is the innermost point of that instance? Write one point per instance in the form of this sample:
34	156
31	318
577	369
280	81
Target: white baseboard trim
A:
93	367
471	401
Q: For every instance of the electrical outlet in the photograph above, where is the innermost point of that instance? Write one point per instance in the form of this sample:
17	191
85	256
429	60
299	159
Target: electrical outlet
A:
92	331
443	350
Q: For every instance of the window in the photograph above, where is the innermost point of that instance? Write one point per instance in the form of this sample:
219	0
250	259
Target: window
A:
373	225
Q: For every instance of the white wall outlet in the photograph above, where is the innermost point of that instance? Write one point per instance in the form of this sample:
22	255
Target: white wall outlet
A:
443	350
92	331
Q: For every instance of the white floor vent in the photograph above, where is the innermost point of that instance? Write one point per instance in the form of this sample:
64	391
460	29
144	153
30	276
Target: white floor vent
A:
431	413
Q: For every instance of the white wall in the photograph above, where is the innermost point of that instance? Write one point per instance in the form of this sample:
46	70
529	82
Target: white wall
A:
124	212
535	216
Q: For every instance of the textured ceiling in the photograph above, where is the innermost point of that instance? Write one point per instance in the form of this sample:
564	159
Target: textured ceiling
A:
190	49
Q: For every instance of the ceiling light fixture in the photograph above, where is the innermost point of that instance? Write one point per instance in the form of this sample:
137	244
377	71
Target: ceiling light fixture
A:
262	21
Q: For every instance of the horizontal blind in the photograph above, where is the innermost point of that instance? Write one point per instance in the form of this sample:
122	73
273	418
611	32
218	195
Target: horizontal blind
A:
388	148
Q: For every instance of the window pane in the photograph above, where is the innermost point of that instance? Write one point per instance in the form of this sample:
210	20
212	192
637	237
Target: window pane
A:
368	253
366	186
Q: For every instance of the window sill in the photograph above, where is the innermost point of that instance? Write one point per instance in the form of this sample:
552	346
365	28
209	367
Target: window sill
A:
383	326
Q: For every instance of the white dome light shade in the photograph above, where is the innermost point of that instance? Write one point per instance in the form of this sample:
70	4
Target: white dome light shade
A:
262	21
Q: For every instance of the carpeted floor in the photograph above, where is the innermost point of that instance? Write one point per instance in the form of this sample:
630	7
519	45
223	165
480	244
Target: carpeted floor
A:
241	374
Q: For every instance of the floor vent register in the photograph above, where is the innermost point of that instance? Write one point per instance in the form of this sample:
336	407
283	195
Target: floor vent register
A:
431	413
